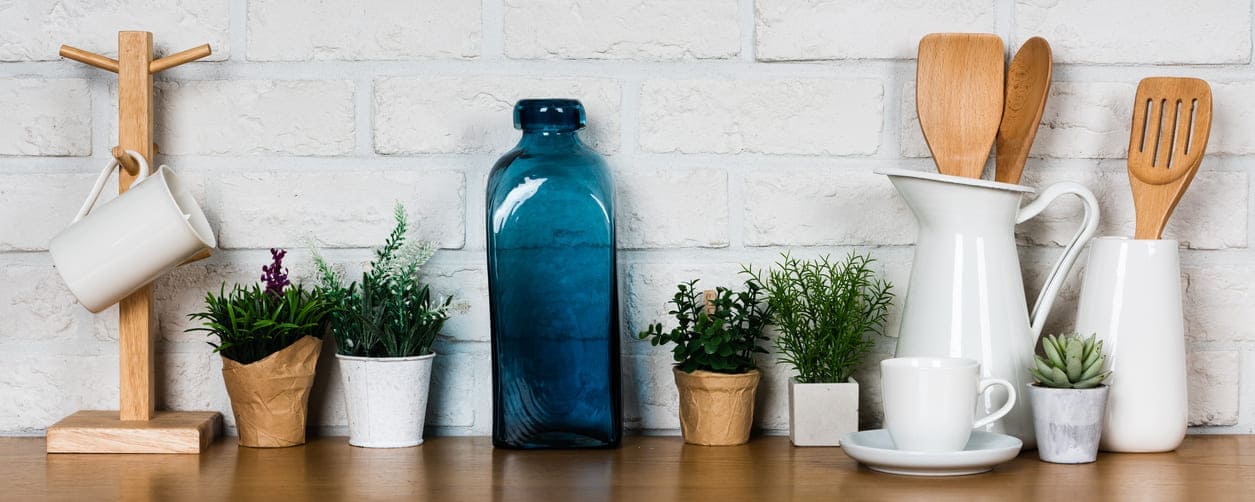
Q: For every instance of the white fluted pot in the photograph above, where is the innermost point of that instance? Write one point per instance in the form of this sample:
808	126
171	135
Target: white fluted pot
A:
386	399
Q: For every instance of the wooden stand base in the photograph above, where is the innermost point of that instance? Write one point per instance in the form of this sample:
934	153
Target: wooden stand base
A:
94	431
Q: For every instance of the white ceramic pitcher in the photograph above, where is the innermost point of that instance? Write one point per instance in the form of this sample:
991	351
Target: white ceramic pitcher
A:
966	295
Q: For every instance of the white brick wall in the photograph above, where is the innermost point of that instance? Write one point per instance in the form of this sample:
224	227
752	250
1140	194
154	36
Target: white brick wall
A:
736	129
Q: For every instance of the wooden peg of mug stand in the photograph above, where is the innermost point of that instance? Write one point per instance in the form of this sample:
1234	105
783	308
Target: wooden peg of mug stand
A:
137	426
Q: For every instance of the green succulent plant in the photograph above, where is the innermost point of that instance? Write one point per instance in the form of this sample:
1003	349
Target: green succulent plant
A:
1071	362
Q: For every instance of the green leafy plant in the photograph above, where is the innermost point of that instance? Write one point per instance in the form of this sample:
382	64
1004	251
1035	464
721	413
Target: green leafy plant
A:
251	322
719	334
390	313
1071	362
826	313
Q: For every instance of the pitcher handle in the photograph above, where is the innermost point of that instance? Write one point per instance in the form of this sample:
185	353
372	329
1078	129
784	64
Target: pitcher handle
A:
104	177
1089	226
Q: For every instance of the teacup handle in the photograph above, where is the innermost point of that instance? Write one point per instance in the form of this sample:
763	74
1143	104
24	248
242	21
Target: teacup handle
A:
983	386
104	177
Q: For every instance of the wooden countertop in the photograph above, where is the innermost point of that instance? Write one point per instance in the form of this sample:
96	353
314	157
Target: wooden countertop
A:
1205	468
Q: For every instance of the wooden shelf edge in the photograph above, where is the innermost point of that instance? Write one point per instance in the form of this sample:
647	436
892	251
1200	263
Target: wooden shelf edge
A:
99	431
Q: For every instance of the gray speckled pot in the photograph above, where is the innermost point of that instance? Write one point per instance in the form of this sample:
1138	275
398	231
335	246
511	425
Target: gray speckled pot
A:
1068	422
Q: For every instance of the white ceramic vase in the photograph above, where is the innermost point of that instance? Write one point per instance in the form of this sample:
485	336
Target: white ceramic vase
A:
966	294
386	399
1068	422
821	413
1131	297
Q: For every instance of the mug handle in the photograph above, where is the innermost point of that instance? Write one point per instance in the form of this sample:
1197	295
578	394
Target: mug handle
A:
1089	226
983	386
104	176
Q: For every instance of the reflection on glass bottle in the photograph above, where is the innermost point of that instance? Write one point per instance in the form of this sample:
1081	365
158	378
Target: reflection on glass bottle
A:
552	282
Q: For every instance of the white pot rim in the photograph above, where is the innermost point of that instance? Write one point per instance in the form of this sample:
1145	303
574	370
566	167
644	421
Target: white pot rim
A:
793	380
1044	387
385	359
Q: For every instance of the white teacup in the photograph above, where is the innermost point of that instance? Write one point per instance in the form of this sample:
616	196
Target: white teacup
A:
930	402
112	251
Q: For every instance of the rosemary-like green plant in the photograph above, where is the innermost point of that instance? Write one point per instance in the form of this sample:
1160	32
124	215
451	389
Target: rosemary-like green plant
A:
251	322
722	341
390	313
825	313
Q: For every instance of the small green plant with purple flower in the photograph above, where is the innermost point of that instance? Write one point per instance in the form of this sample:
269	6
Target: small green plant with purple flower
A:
390	313
252	322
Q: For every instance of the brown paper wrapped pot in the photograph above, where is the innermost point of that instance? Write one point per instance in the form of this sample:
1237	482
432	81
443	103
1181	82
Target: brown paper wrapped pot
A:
716	409
270	397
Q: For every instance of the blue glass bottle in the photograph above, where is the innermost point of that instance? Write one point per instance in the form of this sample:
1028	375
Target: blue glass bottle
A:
553	287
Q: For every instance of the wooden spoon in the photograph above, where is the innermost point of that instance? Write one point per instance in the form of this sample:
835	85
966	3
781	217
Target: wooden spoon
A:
1028	83
958	96
1171	124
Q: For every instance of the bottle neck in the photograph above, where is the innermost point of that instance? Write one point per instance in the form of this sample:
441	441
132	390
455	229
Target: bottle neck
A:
549	138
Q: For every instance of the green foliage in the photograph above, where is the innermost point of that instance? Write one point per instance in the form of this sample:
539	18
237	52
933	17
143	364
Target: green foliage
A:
723	341
1071	362
826	313
251	323
390	313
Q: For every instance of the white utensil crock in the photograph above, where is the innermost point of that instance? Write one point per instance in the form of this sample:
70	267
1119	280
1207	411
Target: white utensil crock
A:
1131	297
113	250
386	399
966	295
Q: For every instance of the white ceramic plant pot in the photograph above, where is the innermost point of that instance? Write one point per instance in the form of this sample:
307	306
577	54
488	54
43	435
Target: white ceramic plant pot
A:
1131	297
821	413
1068	422
386	399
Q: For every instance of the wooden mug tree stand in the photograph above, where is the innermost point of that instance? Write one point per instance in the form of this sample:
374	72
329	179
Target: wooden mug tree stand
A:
137	427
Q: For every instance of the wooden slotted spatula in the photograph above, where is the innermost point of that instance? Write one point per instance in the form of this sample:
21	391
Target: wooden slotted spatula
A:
1028	83
1171	124
958	96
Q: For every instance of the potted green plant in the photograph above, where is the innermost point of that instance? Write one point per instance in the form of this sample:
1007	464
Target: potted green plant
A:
269	339
717	335
825	313
1069	399
384	327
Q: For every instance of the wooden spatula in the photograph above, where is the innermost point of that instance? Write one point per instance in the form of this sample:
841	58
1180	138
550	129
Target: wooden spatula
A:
1028	83
1171	124
958	95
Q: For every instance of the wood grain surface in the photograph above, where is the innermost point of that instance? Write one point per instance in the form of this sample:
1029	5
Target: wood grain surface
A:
1211	468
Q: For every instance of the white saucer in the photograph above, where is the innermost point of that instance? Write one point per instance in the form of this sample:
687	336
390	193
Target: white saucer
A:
984	450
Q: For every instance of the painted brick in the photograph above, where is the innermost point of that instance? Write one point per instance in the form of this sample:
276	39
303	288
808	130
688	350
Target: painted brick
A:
35	304
613	29
50	387
255	117
1219	302
36	207
45	117
475	114
34	31
1214	387
654	208
853	29
761	116
812	207
268	209
1233	108
294	30
468	284
1138	31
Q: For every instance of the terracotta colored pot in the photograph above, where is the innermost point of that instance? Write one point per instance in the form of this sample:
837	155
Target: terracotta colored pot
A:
270	397
716	409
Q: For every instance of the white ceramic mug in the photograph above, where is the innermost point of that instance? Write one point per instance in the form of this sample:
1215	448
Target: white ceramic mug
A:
930	402
114	250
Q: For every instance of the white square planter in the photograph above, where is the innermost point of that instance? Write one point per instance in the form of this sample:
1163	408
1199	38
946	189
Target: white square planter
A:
820	413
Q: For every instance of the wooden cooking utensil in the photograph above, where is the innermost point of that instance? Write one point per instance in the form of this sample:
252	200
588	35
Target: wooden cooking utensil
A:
1028	83
1171	124
958	96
